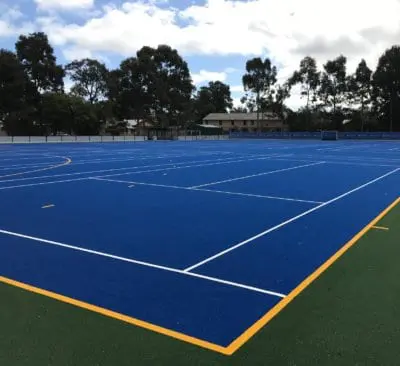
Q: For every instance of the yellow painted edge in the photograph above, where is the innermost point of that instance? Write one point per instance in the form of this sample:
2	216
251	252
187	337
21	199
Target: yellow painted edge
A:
250	332
380	228
238	342
115	315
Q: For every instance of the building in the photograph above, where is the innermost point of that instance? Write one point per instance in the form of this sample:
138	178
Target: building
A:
245	122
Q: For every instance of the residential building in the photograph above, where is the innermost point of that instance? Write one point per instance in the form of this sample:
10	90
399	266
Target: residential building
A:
246	122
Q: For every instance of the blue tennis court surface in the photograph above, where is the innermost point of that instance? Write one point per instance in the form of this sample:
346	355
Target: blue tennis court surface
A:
200	238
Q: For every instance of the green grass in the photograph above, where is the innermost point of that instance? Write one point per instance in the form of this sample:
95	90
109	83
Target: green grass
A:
349	316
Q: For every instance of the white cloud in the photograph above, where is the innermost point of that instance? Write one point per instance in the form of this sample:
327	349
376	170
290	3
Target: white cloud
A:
6	29
237	89
282	29
73	53
204	75
285	30
64	4
68	84
10	21
236	102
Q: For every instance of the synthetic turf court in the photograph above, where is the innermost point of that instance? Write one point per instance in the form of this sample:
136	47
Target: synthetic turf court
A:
201	241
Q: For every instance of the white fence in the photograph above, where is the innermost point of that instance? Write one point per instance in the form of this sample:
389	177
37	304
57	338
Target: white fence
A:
77	139
68	139
202	138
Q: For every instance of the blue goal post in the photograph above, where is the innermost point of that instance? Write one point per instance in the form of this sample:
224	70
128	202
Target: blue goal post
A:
329	135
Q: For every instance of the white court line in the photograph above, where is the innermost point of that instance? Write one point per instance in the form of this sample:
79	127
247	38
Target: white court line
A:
197	162
205	190
282	224
110	175
30	158
140	183
348	158
256	195
59	165
22	166
141	263
257	175
44	183
191	166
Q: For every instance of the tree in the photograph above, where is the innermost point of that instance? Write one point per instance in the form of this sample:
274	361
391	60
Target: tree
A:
281	93
90	79
69	114
128	90
249	103
239	109
214	98
16	96
308	77
333	86
165	81
37	58
386	83
55	113
259	78
360	87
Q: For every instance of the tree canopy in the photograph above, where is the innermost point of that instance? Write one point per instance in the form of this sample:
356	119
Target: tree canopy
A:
155	86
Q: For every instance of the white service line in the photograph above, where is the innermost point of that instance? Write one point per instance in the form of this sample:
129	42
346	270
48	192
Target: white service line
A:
204	190
258	175
257	195
284	223
141	263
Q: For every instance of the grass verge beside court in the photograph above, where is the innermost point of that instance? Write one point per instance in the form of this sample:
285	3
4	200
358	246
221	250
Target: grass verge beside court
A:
350	315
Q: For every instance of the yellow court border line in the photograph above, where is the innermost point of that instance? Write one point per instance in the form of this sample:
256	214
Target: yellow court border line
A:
239	341
250	332
115	315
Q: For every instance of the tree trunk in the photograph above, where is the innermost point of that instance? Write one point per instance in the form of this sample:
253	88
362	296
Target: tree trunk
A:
258	112
391	111
362	114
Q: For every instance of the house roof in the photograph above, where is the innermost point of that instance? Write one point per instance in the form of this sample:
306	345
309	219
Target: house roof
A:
240	116
208	126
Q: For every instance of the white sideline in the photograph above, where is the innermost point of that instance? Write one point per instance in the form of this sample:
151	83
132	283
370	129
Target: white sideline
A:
282	224
135	168
257	175
204	190
141	263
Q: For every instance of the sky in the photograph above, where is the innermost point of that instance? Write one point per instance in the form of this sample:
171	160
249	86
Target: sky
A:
215	37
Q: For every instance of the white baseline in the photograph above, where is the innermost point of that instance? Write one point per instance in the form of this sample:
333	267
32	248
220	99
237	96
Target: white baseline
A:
141	263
